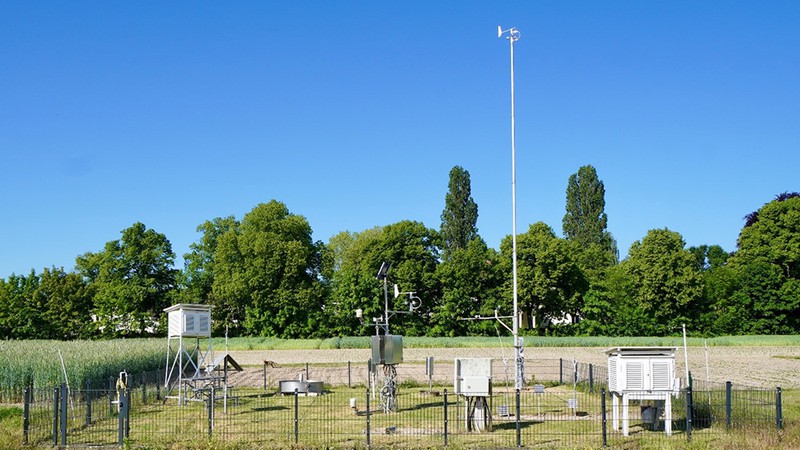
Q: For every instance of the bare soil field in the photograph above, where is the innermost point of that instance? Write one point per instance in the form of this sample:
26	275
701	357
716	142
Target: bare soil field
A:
756	366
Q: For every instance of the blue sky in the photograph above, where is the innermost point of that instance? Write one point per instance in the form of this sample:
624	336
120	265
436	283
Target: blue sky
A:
353	113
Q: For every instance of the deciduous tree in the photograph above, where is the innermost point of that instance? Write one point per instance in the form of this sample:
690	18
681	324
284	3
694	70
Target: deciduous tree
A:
773	235
266	274
412	250
550	282
132	279
767	260
67	300
197	277
667	287
470	283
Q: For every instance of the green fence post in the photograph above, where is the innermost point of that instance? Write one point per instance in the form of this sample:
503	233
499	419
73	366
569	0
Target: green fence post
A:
56	392
121	418
26	415
111	392
210	407
604	419
728	404
519	428
127	412
368	412
88	395
64	399
689	408
560	371
296	416
445	417
778	408
591	378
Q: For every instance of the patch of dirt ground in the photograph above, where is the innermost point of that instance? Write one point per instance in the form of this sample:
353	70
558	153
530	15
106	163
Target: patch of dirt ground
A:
757	366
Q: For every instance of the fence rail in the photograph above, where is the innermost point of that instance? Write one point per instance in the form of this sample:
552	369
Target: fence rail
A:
567	408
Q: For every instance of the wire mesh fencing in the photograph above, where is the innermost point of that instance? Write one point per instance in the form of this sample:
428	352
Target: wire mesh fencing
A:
564	404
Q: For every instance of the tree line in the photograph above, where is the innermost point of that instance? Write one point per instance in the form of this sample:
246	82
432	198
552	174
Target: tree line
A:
265	276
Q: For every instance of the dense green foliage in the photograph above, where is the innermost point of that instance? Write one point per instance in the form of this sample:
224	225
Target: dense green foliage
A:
551	284
132	280
585	221
460	215
265	276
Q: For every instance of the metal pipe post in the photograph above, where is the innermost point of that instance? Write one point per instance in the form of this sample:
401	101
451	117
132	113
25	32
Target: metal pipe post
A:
88	396
689	408
56	402
211	398
778	408
445	417
513	36
26	415
121	418
605	420
111	392
519	428
728	404
296	417
368	419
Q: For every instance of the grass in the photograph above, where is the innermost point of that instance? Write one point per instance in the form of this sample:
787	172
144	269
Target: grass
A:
265	420
360	342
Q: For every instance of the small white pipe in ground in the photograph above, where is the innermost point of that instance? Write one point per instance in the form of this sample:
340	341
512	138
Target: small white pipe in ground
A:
66	380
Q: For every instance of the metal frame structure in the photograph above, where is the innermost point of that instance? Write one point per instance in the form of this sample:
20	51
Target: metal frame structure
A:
183	366
388	393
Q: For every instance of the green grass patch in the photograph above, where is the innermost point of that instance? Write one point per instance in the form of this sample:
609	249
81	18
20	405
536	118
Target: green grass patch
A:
266	420
361	342
7	412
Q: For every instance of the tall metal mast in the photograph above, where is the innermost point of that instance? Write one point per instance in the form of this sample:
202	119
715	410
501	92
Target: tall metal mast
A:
513	36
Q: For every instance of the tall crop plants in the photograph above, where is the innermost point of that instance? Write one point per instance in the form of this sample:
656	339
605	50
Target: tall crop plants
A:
37	363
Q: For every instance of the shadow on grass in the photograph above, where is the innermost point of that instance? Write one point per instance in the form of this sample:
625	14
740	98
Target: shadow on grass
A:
513	425
261	395
270	408
424	406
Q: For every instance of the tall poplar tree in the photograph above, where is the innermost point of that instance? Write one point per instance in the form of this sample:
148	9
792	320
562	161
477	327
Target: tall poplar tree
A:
585	221
460	214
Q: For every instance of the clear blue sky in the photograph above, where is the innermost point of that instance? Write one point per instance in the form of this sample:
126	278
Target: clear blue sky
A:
353	113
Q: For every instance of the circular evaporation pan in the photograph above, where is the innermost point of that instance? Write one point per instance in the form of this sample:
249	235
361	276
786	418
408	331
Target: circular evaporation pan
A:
302	387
